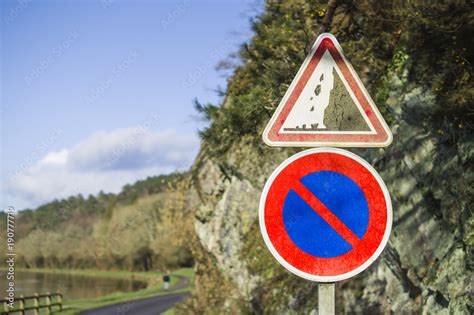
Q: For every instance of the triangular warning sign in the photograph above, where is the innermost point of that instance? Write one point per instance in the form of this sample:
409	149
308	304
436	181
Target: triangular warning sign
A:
327	105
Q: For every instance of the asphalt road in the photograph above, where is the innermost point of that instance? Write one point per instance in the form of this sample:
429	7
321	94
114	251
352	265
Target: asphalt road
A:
147	306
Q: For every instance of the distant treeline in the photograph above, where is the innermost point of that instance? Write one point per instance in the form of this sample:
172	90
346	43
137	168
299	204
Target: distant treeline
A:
131	230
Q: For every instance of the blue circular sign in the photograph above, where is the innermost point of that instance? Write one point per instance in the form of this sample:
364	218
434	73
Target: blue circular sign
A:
309	231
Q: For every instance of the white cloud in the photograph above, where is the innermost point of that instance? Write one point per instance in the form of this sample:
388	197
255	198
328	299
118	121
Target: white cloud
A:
59	157
104	161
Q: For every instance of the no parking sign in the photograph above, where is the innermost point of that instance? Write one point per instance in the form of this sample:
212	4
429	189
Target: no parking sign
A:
325	214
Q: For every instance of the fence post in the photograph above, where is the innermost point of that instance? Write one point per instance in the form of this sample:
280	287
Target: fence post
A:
48	302
60	301
5	307
22	304
36	304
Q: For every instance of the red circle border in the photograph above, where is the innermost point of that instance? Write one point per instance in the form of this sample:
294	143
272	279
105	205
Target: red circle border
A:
361	252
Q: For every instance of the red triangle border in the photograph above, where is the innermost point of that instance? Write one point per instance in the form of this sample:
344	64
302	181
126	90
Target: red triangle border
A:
382	136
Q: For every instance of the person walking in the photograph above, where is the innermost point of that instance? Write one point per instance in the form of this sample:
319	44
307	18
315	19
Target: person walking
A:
166	280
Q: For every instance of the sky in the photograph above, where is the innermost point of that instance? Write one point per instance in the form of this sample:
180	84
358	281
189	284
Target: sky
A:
98	94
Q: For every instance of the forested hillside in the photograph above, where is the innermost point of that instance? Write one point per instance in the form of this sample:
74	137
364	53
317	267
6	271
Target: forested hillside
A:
132	230
415	58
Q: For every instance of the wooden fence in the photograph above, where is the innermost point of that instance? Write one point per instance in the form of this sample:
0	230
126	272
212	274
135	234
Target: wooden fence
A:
39	302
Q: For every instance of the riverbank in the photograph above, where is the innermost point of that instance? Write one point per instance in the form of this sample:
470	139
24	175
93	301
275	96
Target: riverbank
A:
182	280
148	277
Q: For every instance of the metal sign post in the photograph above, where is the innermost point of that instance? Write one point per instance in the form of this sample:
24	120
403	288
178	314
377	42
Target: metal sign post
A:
326	299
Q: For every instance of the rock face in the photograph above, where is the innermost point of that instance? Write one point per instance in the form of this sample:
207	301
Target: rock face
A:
427	265
220	222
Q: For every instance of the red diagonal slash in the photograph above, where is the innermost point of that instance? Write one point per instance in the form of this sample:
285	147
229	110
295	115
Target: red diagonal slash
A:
325	213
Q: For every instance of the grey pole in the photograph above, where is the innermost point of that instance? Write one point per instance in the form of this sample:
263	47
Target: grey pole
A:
326	299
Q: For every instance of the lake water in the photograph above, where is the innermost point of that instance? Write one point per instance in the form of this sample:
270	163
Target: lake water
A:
71	286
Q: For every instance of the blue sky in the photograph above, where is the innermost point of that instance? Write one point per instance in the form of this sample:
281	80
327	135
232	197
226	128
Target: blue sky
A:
97	94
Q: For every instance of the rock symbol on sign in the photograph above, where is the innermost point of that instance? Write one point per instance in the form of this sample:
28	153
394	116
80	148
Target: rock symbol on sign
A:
327	104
